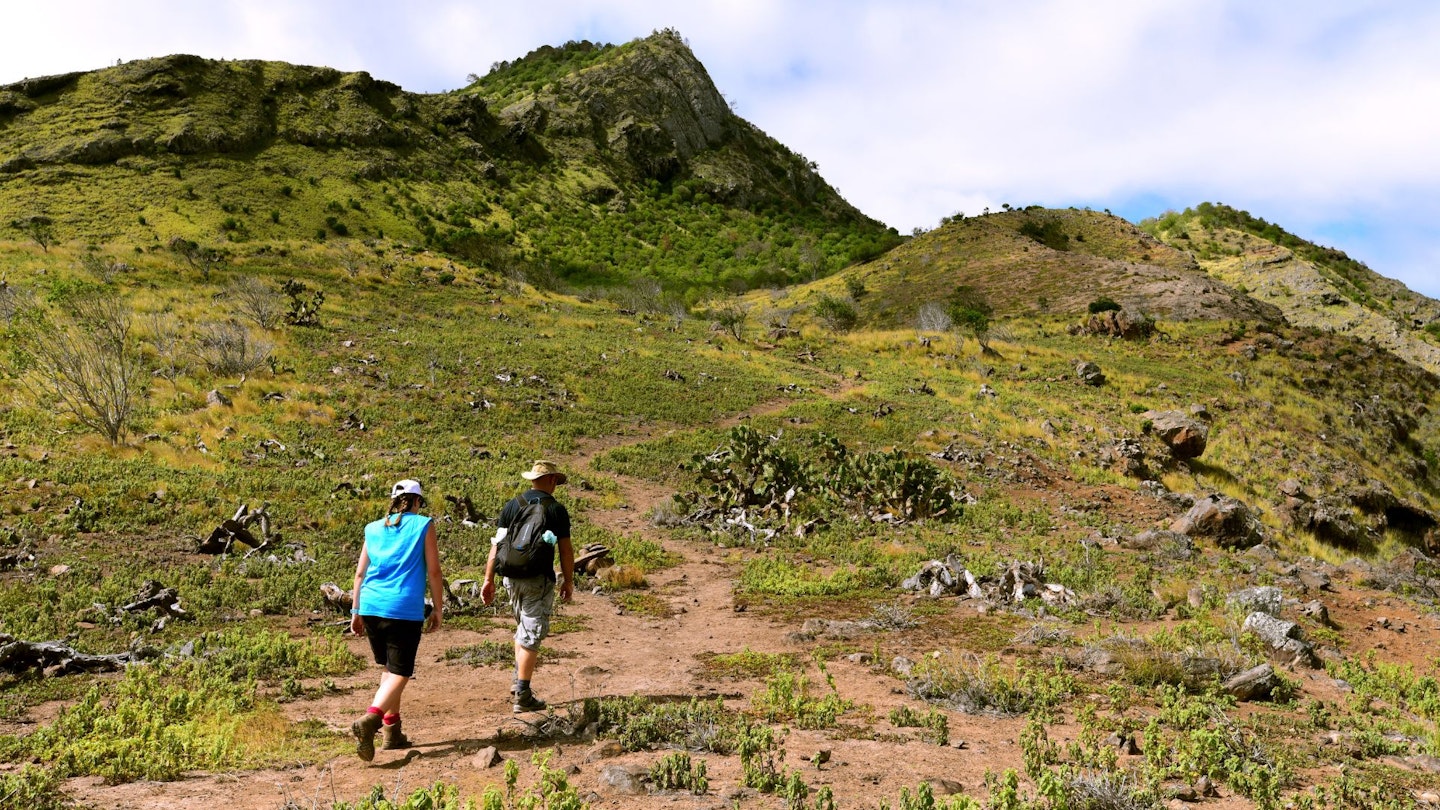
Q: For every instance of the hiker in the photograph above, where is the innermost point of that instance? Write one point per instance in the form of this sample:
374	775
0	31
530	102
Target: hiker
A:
532	596
399	555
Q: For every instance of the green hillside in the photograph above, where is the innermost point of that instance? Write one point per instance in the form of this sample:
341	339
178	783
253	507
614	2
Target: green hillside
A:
1033	261
625	162
1313	285
245	284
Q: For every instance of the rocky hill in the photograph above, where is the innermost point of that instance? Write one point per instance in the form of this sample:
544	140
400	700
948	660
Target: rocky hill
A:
1314	286
1037	261
632	144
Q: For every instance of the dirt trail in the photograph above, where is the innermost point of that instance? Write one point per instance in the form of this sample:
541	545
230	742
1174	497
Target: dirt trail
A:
454	710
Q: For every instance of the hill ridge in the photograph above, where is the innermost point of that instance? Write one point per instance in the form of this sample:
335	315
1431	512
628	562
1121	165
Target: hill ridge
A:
253	151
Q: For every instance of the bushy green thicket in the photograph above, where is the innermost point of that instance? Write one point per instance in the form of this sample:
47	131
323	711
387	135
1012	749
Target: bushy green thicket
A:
544	64
788	482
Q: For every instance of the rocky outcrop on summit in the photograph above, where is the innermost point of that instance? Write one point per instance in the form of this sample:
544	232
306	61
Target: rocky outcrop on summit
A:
653	108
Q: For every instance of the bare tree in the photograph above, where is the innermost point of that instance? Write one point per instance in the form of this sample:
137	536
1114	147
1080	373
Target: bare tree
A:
228	348
102	267
257	301
89	366
352	258
932	317
730	319
165	338
15	301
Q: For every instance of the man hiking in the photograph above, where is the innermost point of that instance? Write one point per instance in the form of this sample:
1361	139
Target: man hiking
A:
529	529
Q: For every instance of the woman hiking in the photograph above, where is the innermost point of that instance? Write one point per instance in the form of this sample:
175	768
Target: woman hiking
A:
400	554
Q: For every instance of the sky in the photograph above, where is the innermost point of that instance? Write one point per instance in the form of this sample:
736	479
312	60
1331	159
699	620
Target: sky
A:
1322	116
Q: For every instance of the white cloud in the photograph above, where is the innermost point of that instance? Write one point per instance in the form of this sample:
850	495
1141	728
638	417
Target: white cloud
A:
1309	112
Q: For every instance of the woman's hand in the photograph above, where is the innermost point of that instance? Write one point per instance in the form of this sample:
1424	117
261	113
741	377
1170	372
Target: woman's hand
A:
357	625
487	591
433	623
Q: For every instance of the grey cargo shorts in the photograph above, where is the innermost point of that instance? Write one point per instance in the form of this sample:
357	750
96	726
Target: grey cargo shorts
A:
533	600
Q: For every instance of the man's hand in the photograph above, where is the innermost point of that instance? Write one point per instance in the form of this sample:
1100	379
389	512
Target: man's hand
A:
567	589
357	626
487	591
433	623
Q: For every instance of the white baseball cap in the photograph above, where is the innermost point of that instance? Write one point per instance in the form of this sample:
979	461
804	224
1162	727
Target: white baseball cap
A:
407	487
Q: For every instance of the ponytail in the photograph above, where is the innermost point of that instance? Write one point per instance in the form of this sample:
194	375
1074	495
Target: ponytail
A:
401	504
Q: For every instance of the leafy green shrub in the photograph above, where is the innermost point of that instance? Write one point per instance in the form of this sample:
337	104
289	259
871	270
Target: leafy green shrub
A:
1191	735
638	724
1396	684
787	698
1103	304
33	789
183	714
1047	232
641	552
970	309
772	576
267	655
935	721
436	797
676	772
837	314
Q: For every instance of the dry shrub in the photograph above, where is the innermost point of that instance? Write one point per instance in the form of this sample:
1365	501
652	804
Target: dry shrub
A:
623	577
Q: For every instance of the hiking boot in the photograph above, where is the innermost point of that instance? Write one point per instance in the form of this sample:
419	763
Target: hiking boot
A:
525	701
364	730
393	738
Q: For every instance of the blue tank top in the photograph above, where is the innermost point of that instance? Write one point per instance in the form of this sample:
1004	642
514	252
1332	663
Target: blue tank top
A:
394	584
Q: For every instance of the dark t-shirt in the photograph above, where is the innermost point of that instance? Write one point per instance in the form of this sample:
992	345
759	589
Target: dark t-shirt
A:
557	518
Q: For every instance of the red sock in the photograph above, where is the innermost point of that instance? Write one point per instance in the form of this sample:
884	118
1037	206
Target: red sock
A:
392	719
375	710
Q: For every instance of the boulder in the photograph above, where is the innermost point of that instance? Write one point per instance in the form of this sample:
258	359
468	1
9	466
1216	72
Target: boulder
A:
941	786
1186	437
1317	611
1283	638
1125	456
1224	519
487	757
1152	540
1089	373
623	780
1264	599
604	750
1253	684
1271	630
1121	324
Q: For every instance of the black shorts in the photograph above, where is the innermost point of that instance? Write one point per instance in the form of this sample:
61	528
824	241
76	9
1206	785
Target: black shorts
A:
394	642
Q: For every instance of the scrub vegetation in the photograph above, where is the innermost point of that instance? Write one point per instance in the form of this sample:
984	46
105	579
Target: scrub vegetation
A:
297	300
